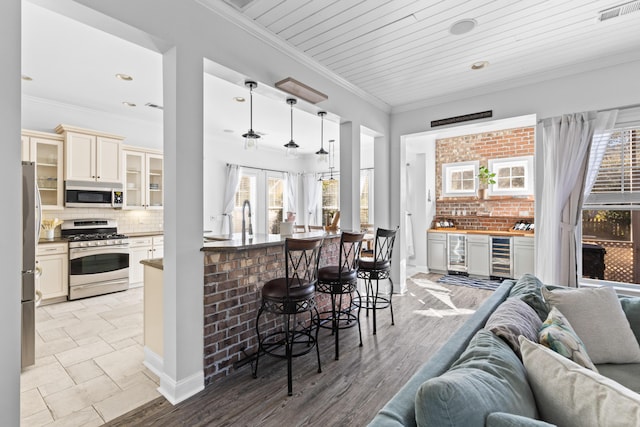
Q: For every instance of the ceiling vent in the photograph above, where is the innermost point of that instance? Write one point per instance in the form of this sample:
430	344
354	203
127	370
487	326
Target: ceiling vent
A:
239	4
620	10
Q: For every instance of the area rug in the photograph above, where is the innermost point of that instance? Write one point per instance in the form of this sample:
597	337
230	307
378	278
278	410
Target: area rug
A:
470	282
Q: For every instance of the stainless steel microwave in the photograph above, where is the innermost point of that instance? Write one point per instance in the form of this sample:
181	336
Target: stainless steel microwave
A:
80	194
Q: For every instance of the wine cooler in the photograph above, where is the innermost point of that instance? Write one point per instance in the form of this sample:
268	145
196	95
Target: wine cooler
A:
501	257
457	259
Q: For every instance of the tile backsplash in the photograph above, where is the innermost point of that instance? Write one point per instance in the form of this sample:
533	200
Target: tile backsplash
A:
129	221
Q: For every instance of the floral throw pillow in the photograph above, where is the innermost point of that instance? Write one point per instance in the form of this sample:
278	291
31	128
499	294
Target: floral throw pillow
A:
557	334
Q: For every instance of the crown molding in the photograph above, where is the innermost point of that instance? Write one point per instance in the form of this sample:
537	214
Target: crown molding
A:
247	24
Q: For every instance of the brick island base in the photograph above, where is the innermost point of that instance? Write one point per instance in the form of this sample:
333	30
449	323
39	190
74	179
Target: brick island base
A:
234	273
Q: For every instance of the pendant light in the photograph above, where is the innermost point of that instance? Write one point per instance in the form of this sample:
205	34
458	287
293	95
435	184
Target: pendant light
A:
323	155
251	138
291	146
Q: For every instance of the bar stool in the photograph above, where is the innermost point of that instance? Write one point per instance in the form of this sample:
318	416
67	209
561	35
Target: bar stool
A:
377	268
338	281
289	297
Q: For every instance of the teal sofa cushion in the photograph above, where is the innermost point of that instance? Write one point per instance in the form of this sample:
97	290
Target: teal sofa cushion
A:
488	377
528	289
503	419
631	308
627	374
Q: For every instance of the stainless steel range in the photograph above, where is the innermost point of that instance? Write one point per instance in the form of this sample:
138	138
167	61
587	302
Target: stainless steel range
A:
98	257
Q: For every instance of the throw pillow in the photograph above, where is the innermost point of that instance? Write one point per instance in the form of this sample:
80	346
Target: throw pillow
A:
597	317
502	419
631	308
487	377
528	289
513	318
569	395
557	334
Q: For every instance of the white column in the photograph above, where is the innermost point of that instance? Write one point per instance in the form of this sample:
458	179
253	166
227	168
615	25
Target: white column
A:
11	218
183	373
349	176
398	208
381	180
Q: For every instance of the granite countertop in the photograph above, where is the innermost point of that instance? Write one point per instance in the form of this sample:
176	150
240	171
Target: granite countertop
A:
489	232
234	242
145	233
153	262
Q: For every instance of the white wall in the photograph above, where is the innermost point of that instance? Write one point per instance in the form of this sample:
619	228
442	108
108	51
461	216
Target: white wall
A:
44	115
595	90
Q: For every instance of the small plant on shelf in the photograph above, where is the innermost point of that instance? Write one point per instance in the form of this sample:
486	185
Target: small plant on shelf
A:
485	176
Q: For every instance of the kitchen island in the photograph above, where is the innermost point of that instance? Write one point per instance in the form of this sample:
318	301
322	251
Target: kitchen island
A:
235	270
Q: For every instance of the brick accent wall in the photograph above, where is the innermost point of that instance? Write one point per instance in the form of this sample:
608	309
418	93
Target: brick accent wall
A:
497	213
232	296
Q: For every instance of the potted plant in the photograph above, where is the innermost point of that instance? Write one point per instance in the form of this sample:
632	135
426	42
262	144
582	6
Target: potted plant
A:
485	176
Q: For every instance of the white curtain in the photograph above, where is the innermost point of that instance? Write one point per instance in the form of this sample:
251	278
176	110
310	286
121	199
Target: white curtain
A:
566	141
233	179
311	187
292	192
601	137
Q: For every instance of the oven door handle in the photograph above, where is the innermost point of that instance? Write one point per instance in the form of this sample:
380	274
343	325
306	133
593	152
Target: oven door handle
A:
100	284
105	249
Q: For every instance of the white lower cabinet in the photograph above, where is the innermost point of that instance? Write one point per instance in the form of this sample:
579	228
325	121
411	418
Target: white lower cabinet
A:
142	248
52	264
523	256
437	252
478	255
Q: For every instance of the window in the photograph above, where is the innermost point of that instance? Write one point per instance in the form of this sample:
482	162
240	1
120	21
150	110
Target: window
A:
366	196
514	176
459	179
611	211
330	199
246	191
275	199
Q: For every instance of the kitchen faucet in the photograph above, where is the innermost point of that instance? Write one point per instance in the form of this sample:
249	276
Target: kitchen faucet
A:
246	204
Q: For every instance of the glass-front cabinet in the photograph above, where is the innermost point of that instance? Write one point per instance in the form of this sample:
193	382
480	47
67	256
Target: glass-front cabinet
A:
45	150
144	179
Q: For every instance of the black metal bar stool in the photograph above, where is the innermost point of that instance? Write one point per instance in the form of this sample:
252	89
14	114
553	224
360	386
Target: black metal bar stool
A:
377	268
289	297
338	281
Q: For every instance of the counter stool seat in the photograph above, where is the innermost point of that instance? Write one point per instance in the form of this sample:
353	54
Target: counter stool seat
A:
338	281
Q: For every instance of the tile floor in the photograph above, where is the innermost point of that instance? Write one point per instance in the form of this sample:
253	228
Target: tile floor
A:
89	356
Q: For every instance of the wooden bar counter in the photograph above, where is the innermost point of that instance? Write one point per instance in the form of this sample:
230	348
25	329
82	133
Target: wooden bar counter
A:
235	270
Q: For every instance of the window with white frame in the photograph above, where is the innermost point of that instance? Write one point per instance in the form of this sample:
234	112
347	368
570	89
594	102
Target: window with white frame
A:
459	179
366	196
246	191
275	202
330	199
514	176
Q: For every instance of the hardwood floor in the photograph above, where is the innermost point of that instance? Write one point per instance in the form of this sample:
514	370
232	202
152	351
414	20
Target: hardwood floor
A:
349	391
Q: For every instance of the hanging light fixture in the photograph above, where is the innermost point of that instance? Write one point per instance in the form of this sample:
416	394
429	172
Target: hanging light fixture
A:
291	146
323	155
251	138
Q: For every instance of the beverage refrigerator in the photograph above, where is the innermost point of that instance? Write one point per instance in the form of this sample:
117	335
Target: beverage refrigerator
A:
31	218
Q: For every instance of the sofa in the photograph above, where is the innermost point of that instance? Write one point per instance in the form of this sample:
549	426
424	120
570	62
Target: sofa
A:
518	361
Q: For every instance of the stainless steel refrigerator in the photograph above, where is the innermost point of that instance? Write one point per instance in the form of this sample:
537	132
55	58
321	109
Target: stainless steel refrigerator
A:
31	217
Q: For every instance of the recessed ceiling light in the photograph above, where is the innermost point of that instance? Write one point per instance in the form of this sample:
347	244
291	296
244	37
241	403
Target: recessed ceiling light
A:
26	78
128	104
152	105
239	99
227	130
463	26
124	77
479	65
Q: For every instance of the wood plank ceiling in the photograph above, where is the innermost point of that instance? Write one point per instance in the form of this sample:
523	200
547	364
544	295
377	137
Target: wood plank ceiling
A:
402	52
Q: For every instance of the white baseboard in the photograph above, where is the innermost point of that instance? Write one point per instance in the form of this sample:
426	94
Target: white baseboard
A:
177	391
154	362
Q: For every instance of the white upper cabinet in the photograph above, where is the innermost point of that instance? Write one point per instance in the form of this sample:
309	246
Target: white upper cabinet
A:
91	155
45	150
143	179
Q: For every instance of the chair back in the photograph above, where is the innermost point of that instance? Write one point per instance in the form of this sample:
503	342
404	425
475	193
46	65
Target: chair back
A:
383	248
349	256
302	257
